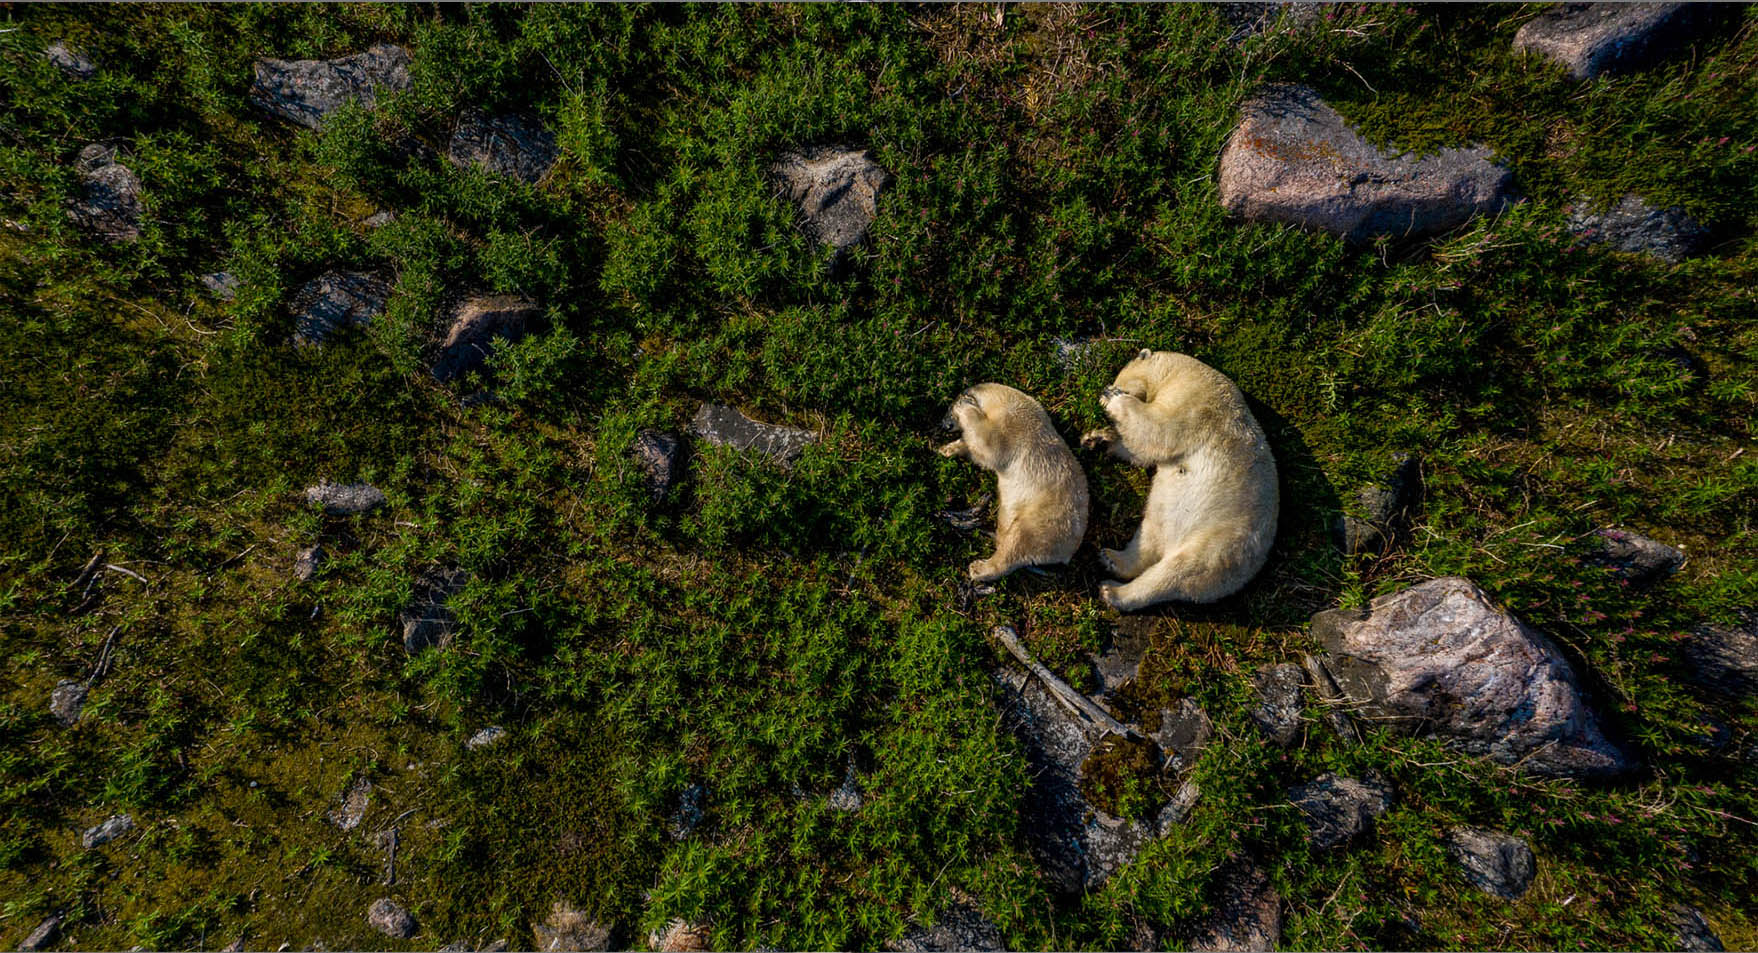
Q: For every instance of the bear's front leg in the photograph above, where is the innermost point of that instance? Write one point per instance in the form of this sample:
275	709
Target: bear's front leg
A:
955	449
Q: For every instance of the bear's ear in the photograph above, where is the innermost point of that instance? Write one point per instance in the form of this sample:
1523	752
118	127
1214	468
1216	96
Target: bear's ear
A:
1144	354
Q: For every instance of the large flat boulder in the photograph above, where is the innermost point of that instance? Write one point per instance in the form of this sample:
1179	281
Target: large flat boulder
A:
109	205
308	91
1293	160
474	327
516	147
836	189
336	300
1591	39
1440	658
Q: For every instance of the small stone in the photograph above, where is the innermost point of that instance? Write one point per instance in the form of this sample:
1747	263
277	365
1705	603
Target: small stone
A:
1338	809
308	91
1636	227
379	219
513	146
387	916
486	737
1293	160
1633	557
657	455
837	191
1496	863
569	929
1591	39
1692	930
67	701
69	61
113	827
1184	731
236	946
1385	510
111	206
1177	810
309	560
428	621
344	499
690	813
336	300
474	327
42	936
958	927
680	936
1279	691
221	284
1248	916
723	426
847	797
351	809
1725	659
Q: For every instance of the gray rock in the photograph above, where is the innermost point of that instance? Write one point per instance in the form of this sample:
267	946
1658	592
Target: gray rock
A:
221	284
1634	557
308	91
723	426
69	61
1639	228
486	737
344	499
335	300
1184	731
569	929
1385	510
428	621
379	219
113	827
837	191
1248	916
67	701
692	810
1328	692
1177	810
1339	809
847	796
1591	39
1293	160
1280	690
1496	863
657	455
1439	658
1725	659
309	560
958	927
1693	931
517	147
351	808
1247	20
42	936
1118	664
387	916
110	206
474	327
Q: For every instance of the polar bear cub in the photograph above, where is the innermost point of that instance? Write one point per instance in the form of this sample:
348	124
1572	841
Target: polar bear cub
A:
1042	509
1211	514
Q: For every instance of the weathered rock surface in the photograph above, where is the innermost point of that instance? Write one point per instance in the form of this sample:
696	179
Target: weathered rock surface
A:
487	736
389	917
680	936
657	454
1339	809
847	796
379	219
1184	731
221	284
474	327
1634	557
837	191
1248	19
1386	508
42	936
1118	664
67	701
428	621
69	61
308	562
517	147
110	206
1440	658
1591	39
1692	930
113	827
351	807
1634	226
958	927
1496	863
344	499
1294	160
692	810
308	91
1280	691
336	300
569	929
1725	659
1248	916
725	427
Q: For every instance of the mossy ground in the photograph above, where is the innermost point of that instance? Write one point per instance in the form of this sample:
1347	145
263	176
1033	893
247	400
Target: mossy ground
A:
757	629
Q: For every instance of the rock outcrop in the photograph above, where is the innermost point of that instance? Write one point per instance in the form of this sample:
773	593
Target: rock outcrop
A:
308	91
1248	916
70	61
724	426
110	206
657	455
958	927
1637	227
335	300
1633	557
1280	691
517	147
1496	863
1593	39
1386	508
836	190
1339	809
474	327
1726	659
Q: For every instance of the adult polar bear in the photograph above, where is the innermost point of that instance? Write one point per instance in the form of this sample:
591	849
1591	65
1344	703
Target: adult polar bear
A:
1211	514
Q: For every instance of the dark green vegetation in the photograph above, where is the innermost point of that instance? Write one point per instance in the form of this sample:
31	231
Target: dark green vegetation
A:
758	628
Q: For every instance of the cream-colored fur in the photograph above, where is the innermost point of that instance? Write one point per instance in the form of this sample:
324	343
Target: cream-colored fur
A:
1211	514
1042	493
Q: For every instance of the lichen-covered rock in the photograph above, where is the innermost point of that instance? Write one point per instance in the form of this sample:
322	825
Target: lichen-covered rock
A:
1634	226
1725	659
1293	160
344	499
1440	658
1185	729
1633	557
1496	863
1591	39
335	300
1692	930
837	191
307	563
308	91
517	147
725	427
847	796
1339	809
958	927
657	454
389	917
569	929
487	736
113	827
1279	691
1118	664
42	936
67	701
69	61
474	327
351	807
110	205
1248	918
428	621
221	284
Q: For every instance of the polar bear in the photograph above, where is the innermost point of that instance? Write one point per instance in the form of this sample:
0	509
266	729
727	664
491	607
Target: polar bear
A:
1042	509
1211	514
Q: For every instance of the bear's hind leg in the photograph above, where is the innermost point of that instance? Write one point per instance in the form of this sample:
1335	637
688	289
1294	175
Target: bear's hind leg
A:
1129	561
1202	570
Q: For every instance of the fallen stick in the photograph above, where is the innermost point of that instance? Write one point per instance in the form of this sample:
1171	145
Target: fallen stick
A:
1077	704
